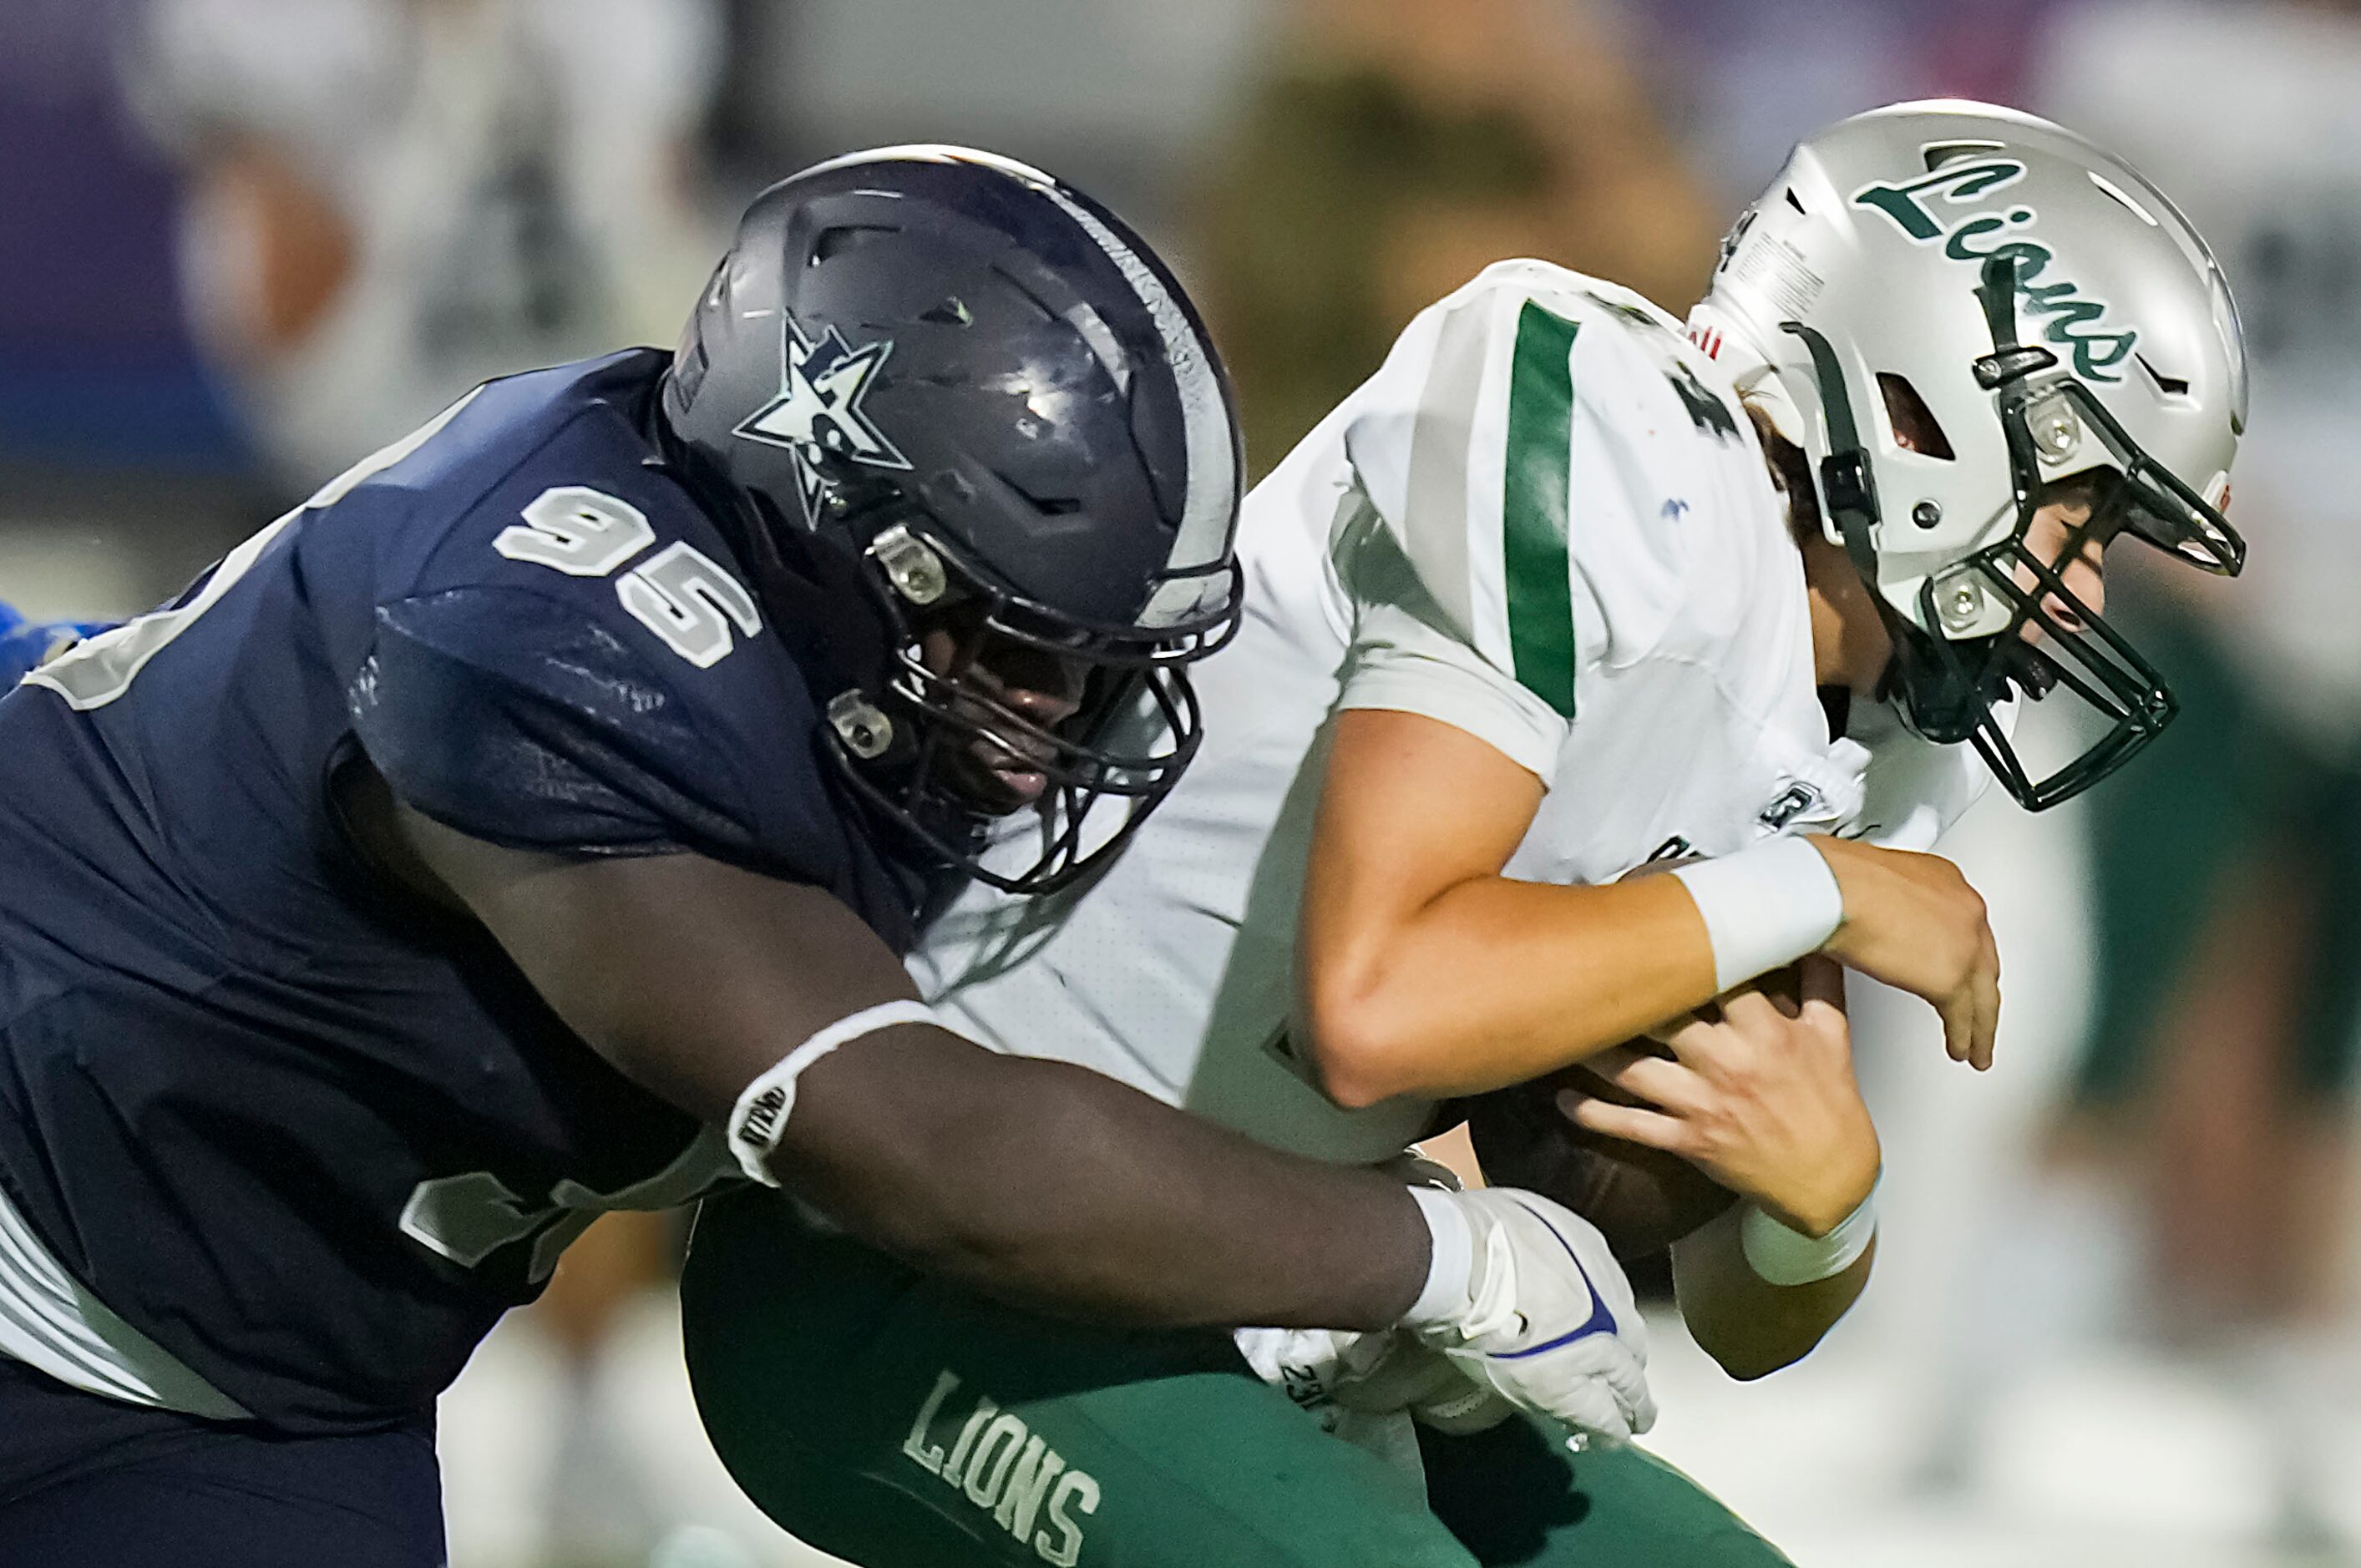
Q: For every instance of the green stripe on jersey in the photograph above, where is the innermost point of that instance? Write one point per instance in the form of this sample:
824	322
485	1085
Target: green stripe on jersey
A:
1533	494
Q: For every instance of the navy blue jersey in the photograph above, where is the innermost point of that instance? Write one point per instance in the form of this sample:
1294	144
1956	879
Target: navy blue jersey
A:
308	1137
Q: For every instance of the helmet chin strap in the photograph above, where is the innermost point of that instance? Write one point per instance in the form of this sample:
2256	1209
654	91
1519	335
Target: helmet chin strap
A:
1765	388
1847	484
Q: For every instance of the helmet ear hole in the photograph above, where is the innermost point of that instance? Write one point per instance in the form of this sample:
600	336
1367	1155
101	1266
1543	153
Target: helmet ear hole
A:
1914	424
2170	386
1047	505
1937	153
835	242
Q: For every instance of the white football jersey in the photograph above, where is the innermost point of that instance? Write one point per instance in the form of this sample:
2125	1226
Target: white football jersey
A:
1545	522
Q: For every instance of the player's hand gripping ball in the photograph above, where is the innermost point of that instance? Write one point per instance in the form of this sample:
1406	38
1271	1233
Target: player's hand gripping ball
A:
1641	1199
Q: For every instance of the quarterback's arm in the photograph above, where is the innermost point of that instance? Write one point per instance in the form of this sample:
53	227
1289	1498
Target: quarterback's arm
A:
1036	1181
1423	969
1748	1325
1760	1096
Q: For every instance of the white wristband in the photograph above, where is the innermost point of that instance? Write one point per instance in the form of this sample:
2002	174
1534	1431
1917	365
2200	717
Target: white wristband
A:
1764	906
1782	1256
1450	1263
760	1117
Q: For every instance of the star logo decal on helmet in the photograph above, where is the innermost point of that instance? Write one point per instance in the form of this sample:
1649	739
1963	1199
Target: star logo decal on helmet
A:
817	413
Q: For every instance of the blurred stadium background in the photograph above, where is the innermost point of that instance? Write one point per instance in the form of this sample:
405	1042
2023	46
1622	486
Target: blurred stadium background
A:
243	242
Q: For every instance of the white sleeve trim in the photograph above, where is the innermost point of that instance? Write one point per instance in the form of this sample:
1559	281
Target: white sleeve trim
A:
760	1118
49	1322
1451	1259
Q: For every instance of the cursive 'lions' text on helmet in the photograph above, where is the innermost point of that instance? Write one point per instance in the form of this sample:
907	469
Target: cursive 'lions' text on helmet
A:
1959	313
970	426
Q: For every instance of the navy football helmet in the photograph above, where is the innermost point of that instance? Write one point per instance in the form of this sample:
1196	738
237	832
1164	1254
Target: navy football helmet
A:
976	442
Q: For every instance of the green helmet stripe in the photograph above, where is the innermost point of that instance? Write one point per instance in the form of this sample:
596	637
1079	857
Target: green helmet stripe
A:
1533	496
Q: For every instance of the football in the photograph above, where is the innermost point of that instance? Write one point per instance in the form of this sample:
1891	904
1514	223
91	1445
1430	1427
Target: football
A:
1641	1199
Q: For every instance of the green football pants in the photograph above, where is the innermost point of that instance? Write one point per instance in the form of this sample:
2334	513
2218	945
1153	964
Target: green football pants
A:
901	1421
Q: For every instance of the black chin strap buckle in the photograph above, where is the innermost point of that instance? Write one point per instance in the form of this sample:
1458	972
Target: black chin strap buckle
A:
1847	484
2012	363
1846	487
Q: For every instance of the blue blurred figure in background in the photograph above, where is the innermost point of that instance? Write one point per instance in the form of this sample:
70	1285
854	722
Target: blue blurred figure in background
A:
26	645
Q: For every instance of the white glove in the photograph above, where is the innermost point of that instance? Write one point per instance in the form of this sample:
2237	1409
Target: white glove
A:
1544	1315
1395	1371
1337	1373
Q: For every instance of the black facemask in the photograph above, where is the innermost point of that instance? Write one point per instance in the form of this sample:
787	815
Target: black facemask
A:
909	745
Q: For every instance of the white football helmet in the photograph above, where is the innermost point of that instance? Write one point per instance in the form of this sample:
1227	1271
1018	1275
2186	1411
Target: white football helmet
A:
2031	310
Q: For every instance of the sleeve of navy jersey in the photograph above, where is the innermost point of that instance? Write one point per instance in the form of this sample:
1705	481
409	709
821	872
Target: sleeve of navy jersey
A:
576	665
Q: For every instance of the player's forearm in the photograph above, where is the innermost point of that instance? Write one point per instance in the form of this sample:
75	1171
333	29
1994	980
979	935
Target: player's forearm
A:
1749	1325
1055	1187
1038	1182
1496	981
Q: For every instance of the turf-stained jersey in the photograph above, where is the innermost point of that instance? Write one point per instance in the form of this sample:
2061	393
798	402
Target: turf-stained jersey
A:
305	1137
1546	521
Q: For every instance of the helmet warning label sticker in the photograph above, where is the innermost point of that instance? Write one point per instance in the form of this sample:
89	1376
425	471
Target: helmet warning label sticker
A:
1778	269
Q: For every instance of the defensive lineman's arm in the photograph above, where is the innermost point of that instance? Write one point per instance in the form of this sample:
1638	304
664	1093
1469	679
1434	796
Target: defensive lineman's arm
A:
1036	1181
1425	970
